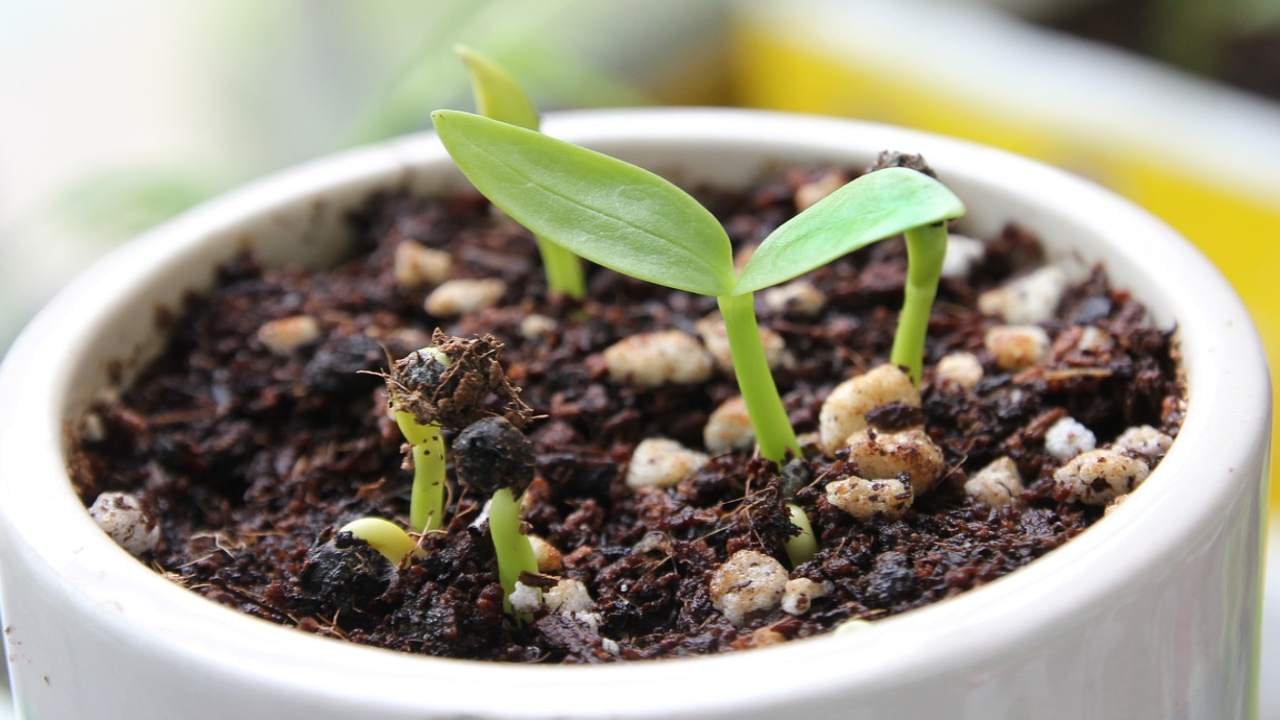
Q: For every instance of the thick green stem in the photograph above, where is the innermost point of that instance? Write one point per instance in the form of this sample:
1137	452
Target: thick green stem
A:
926	246
514	553
563	269
803	546
774	433
426	503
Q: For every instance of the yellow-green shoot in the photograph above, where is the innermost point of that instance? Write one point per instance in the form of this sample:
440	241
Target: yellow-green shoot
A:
633	221
500	97
427	498
384	536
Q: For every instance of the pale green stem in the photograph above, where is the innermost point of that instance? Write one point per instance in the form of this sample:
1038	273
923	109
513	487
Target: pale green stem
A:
563	269
514	553
774	433
384	536
926	246
803	546
426	503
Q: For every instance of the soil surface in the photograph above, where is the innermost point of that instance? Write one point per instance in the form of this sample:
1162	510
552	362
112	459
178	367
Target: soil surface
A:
250	459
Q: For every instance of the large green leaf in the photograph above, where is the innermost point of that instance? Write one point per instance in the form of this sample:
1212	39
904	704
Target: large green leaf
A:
498	95
873	207
608	211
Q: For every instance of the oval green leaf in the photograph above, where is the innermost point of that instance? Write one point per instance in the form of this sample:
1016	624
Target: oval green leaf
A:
608	211
498	95
875	206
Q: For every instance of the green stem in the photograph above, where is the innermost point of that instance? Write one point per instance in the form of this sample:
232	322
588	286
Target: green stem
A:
563	270
514	553
803	546
773	428
926	246
426	503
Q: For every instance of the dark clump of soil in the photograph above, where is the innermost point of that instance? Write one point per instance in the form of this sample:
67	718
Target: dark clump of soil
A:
252	459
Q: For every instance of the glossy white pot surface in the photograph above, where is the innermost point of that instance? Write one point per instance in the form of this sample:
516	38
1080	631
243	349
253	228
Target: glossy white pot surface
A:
1151	613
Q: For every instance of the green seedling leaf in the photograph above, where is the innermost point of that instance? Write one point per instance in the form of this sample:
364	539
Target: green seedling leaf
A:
873	207
603	209
498	95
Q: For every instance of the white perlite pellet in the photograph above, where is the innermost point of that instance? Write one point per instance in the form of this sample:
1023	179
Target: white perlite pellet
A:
811	192
525	599
865	499
534	326
1093	340
658	358
729	427
546	555
659	462
712	331
962	254
1095	477
1032	298
962	369
851	627
1067	438
1015	347
1144	440
798	297
121	516
747	582
798	595
996	484
416	265
463	296
286	335
568	597
844	412
888	455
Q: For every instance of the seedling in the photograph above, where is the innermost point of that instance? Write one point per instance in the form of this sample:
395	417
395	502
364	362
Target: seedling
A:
499	96
384	536
635	222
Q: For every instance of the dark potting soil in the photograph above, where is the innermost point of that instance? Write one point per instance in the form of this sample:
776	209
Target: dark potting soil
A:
251	459
1248	58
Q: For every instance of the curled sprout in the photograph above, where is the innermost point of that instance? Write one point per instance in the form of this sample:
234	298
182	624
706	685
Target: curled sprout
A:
384	536
802	546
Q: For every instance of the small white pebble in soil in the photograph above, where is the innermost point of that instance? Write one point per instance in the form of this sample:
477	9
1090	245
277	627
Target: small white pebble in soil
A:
658	358
547	556
811	192
610	646
285	335
92	428
844	412
534	326
962	369
996	484
525	599
798	595
1093	340
1144	440
659	462
464	296
121	516
963	253
729	427
1015	347
1095	477
887	455
851	626
569	597
798	297
416	265
1032	298
716	338
865	499
749	581
1067	438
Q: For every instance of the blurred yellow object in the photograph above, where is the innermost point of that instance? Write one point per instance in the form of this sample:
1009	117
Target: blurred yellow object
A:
1205	159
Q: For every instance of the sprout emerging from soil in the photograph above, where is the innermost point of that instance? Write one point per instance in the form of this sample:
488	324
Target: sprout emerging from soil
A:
384	536
802	546
493	457
500	97
635	222
445	385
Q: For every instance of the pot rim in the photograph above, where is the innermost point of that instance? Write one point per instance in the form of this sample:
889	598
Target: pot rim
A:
1226	376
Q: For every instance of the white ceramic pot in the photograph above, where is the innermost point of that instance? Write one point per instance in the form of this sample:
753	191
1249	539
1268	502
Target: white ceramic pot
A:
1151	613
